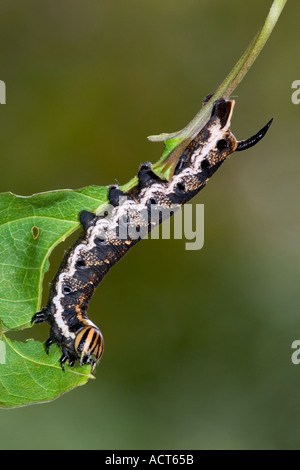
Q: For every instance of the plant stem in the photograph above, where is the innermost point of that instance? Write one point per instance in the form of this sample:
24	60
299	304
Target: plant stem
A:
178	141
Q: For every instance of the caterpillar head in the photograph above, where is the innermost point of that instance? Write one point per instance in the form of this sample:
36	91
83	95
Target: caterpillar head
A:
89	345
211	146
218	128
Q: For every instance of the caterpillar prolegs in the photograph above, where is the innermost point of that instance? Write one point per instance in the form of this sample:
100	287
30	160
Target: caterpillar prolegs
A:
107	238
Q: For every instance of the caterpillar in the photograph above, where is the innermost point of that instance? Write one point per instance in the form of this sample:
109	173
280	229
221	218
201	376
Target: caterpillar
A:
107	238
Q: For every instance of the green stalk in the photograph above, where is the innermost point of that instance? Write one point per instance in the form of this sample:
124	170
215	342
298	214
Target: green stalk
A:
176	142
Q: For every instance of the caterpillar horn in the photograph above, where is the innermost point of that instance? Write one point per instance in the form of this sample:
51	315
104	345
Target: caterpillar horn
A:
246	144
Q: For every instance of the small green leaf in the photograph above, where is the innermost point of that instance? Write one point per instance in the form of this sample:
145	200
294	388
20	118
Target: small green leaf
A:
28	375
30	228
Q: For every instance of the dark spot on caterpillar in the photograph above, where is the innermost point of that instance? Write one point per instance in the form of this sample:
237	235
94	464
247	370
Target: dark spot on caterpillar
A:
99	240
181	186
204	164
221	144
80	263
153	200
67	289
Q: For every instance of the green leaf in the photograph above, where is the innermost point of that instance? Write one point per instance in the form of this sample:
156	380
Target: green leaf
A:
28	375
30	228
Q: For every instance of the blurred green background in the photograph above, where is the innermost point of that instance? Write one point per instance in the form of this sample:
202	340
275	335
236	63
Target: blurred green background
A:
197	343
